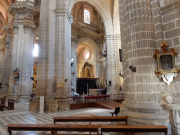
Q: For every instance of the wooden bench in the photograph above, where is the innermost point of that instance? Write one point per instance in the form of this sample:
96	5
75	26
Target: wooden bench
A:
133	128
91	119
50	127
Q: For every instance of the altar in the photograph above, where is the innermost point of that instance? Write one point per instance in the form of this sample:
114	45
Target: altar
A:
95	91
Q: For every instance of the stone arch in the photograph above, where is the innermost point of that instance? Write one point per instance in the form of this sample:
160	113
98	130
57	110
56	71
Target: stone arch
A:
93	46
101	9
89	42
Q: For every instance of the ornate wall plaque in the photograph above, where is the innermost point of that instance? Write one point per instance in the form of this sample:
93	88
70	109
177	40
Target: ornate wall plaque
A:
166	63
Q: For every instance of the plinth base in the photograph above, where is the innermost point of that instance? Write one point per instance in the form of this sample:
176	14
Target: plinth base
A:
62	102
147	114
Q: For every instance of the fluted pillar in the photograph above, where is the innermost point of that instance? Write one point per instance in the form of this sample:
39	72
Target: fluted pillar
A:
27	64
63	49
112	66
2	52
20	87
74	66
142	88
6	70
63	53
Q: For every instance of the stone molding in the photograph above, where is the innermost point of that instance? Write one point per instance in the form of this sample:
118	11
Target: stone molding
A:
63	12
143	107
2	46
170	8
26	6
29	26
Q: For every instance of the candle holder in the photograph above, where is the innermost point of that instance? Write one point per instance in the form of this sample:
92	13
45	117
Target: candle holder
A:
133	69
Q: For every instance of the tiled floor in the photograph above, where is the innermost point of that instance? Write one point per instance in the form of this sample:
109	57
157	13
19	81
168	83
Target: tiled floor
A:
21	115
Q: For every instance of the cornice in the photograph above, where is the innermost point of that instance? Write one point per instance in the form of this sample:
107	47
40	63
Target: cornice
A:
23	6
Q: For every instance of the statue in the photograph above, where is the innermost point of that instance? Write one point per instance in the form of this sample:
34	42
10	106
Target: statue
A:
87	71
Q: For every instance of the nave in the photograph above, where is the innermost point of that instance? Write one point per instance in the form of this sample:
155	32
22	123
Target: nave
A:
21	115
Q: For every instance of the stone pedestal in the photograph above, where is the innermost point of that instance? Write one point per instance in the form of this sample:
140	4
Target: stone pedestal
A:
112	96
174	118
53	106
34	106
63	103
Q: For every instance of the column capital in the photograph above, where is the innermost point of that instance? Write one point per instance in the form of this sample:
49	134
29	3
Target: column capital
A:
2	46
64	12
8	37
15	27
29	26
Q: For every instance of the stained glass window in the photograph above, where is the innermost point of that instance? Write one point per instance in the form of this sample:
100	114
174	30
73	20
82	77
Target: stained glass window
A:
86	16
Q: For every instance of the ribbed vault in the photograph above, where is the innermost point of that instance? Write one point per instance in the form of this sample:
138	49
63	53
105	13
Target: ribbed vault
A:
4	5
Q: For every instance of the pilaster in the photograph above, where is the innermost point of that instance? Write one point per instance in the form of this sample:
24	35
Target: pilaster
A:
5	81
112	68
20	87
63	52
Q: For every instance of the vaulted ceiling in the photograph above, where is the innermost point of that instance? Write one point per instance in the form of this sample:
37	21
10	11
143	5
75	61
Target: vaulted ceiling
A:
4	5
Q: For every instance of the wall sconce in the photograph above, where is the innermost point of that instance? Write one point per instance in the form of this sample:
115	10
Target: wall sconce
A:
73	73
121	75
72	61
109	83
7	85
133	69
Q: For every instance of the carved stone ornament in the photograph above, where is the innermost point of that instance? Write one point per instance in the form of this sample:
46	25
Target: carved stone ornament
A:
166	63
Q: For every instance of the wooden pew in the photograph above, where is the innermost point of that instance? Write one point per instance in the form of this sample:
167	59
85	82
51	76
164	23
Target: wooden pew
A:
3	100
91	119
10	104
50	127
133	128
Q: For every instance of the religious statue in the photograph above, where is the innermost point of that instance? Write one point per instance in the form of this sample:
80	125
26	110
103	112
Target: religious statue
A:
87	71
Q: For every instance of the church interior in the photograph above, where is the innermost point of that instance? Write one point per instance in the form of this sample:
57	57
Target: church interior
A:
109	67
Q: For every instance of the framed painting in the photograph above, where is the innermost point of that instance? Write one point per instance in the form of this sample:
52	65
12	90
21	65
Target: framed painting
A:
166	62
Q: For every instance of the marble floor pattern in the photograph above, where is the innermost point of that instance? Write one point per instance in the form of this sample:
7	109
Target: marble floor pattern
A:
21	115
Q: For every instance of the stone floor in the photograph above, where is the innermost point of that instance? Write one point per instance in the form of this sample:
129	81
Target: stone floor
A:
21	115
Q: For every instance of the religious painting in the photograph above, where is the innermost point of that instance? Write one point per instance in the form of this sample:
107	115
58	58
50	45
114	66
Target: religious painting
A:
166	62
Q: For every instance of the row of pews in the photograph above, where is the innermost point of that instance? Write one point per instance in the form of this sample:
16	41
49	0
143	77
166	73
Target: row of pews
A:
54	128
3	105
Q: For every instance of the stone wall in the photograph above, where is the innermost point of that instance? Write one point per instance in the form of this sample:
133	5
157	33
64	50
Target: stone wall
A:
170	15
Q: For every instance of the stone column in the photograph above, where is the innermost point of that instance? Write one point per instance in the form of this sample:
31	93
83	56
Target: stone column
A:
5	82
15	60
74	66
63	54
42	58
22	48
2	51
27	64
111	66
46	58
142	89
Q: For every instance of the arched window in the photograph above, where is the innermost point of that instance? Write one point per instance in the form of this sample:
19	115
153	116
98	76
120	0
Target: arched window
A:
35	51
86	16
86	55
